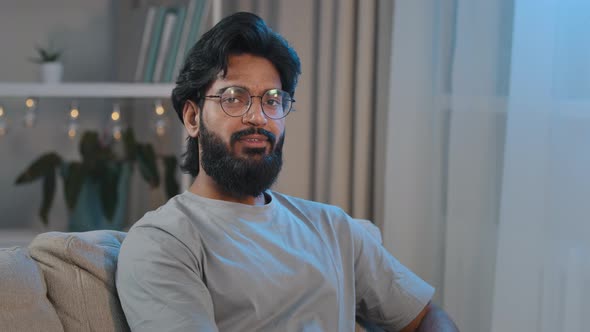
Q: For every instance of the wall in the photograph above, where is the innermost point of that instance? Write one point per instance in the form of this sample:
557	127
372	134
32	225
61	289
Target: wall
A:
83	28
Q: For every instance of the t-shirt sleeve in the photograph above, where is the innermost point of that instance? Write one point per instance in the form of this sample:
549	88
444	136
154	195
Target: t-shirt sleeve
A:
160	285
387	293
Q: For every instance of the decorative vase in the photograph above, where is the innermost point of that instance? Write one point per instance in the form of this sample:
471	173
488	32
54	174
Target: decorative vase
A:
51	72
88	214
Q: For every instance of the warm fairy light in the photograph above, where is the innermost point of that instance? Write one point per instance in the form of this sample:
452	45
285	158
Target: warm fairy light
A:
74	113
72	132
160	131
117	135
159	109
115	116
3	122
30	102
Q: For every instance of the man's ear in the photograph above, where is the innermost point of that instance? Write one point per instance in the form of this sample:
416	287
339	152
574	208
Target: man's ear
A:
190	115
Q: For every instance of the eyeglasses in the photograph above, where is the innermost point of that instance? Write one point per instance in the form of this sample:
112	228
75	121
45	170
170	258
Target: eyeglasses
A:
236	101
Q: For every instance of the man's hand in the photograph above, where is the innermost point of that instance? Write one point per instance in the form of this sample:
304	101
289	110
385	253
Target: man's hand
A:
431	319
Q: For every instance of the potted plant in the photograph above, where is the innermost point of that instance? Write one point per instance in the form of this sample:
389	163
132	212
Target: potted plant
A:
51	67
95	188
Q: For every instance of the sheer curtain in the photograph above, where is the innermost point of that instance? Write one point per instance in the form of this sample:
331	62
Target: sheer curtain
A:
543	266
487	159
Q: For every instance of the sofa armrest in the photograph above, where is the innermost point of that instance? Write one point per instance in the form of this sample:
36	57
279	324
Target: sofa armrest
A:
79	270
24	305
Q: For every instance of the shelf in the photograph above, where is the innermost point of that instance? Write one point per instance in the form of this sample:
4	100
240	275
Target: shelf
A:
86	90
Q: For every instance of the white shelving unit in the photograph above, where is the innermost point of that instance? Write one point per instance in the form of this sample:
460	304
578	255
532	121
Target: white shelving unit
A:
86	90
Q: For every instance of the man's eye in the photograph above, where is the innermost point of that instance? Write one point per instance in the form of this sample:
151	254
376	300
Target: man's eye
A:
231	100
273	102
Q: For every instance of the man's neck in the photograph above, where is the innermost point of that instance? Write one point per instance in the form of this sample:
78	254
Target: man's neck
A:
205	186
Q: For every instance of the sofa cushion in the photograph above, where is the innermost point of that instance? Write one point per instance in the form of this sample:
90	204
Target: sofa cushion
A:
79	270
23	294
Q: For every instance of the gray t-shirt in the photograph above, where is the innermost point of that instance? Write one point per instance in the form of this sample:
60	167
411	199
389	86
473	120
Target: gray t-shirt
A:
198	264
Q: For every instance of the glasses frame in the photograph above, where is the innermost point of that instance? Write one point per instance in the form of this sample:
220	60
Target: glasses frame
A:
250	103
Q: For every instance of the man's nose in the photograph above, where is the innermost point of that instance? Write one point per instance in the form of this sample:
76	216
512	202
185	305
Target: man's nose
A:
255	115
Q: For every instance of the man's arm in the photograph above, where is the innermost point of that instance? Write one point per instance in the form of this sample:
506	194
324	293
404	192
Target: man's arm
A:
431	319
159	284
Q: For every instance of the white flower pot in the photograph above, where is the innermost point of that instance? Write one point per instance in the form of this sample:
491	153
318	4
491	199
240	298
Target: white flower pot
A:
51	72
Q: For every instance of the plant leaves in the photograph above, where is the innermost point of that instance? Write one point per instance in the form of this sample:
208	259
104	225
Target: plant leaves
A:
109	181
38	168
89	147
48	54
74	177
170	183
48	193
146	157
130	144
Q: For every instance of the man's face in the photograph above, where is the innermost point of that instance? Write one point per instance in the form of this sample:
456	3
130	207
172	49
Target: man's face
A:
243	155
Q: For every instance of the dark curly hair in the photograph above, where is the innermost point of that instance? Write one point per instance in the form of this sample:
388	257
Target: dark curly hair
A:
240	33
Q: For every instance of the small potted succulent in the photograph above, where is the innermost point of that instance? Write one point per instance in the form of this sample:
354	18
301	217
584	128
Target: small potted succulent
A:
96	187
51	66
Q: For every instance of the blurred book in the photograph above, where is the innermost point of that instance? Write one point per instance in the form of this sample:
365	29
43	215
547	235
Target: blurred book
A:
174	44
145	41
152	41
164	43
154	44
194	24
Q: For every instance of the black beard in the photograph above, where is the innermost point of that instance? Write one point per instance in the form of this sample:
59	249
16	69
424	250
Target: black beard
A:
237	176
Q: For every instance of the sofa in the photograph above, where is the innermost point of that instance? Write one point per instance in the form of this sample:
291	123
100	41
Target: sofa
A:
62	282
66	282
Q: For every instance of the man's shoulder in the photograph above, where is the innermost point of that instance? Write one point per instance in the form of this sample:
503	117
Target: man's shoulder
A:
289	201
332	214
167	228
172	218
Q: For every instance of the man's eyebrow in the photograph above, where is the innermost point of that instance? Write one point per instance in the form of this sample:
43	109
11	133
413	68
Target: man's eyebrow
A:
223	88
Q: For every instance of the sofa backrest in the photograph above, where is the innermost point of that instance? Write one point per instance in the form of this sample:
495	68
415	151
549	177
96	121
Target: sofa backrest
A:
79	270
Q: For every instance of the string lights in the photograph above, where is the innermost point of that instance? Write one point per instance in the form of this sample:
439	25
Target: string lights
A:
73	123
30	117
3	121
161	122
115	122
114	127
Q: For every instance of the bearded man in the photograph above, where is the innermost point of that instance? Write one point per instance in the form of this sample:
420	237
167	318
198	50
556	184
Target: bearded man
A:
229	254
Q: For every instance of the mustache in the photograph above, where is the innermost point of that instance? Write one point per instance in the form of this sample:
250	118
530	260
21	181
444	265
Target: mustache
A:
251	131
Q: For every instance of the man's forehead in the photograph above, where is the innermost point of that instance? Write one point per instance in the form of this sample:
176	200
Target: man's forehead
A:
247	78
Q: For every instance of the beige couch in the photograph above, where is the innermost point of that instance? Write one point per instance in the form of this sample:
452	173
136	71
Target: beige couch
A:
66	282
62	282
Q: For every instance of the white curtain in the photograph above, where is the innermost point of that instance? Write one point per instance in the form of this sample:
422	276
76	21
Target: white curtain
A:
542	279
487	159
450	63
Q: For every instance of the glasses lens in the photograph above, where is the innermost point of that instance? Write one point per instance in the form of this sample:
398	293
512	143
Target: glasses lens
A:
276	103
235	101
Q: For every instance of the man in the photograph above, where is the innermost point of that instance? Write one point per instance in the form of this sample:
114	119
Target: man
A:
231	255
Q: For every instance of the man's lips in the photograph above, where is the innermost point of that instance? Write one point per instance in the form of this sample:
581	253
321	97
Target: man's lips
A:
254	140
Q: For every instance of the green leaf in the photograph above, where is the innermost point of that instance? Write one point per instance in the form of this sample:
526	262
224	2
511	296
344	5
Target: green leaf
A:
38	168
130	144
48	193
89	147
74	177
109	190
146	157
171	185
